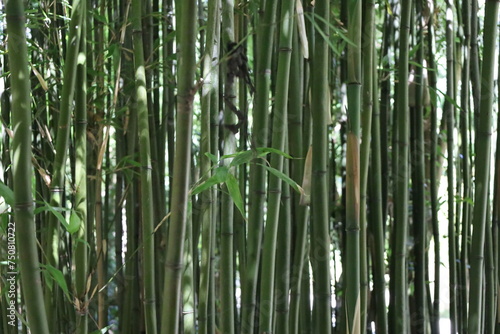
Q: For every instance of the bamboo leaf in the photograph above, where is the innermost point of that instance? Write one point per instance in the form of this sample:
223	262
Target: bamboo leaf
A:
234	192
56	212
242	158
42	81
58	277
265	150
220	176
284	178
7	194
74	222
212	157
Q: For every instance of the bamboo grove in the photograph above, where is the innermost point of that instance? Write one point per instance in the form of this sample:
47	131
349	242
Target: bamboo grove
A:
232	166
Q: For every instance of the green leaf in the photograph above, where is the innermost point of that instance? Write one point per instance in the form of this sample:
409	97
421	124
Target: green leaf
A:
212	157
7	194
74	222
234	191
56	212
284	178
242	158
219	176
265	150
58	277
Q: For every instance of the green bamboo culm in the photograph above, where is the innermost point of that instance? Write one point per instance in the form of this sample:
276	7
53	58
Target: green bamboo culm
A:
483	156
186	34
449	111
81	248
354	67
377	222
147	216
210	59
279	130
51	241
320	237
22	168
399	309
227	313
299	212
418	182
257	184
368	40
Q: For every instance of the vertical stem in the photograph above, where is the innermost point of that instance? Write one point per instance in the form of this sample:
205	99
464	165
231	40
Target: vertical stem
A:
483	146
264	50
400	306
81	255
210	59
279	130
62	143
465	165
449	111
320	237
367	48
434	183
227	205
22	169
418	184
147	215
353	296
186	30
376	201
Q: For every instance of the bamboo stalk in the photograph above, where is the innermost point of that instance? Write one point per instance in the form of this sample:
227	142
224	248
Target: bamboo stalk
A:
482	149
283	256
465	165
449	111
279	130
400	305
22	170
147	215
52	234
377	226
367	49
418	184
81	255
264	49
299	212
434	182
320	237
227	270
355	300
186	30
210	59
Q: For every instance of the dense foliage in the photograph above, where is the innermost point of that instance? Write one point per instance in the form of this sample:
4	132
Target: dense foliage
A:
248	166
